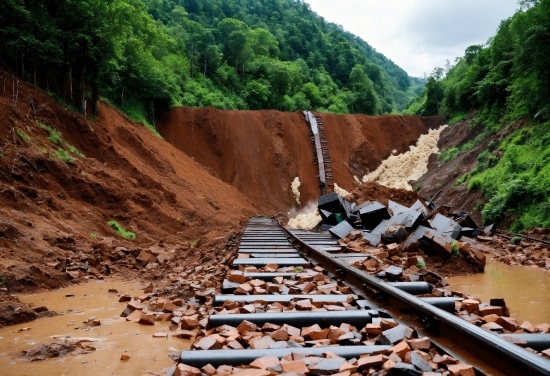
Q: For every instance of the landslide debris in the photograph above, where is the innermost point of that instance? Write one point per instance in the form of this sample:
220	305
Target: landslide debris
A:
398	170
55	210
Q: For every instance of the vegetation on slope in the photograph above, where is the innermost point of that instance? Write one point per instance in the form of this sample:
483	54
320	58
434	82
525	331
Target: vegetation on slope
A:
503	81
148	55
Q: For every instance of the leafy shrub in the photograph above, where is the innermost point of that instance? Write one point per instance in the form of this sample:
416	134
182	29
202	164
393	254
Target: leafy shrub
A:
455	249
121	231
515	240
449	154
420	265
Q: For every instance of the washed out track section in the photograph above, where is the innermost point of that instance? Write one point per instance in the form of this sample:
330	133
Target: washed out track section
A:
292	303
432	317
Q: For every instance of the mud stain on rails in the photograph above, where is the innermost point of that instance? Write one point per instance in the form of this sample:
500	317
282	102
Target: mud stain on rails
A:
525	290
114	337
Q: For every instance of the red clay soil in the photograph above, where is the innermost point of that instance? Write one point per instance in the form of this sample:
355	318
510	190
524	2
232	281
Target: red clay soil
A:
261	152
258	152
359	143
54	214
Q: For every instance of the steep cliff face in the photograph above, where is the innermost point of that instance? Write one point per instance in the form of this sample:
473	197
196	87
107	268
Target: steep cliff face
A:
262	152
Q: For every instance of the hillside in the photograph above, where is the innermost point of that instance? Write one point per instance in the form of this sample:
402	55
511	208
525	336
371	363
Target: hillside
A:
501	91
63	178
146	56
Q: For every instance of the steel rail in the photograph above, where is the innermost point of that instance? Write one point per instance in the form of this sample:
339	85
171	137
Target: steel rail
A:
489	351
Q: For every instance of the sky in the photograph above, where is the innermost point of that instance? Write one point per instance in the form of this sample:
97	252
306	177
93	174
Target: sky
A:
418	35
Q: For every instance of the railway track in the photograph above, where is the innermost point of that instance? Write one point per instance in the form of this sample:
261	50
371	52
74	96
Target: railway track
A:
293	294
321	154
508	235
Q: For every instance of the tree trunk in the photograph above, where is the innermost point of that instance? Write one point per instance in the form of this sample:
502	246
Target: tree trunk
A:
153	113
122	98
71	84
83	91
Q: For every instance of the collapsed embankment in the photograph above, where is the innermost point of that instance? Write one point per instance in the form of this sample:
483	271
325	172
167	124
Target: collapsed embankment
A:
262	152
55	204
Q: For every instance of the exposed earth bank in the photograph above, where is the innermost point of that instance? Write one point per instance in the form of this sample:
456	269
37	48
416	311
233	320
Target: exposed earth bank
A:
63	178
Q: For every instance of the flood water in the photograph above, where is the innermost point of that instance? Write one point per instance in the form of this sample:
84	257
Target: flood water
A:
525	290
111	339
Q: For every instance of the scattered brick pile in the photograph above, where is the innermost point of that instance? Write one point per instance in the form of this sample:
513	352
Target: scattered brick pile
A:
525	253
304	281
406	355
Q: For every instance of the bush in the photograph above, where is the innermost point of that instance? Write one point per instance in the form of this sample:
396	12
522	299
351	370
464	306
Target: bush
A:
515	240
121	231
455	249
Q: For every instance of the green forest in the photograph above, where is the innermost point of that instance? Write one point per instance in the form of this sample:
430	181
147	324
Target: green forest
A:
498	84
150	55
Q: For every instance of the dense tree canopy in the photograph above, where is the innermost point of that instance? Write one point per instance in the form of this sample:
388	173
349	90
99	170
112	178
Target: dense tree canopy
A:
144	55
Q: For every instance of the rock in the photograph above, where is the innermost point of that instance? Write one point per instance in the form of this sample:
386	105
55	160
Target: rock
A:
279	335
461	369
470	305
209	370
490	318
327	366
160	335
394	335
124	356
490	310
528	327
404	369
394	272
373	329
507	323
207	343
237	277
543	328
189	322
304	305
185	370
420	343
401	349
295	366
419	362
367	362
146	319
266	362
493	327
246	327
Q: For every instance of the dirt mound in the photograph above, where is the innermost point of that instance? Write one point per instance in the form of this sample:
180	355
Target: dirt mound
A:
373	191
55	204
56	350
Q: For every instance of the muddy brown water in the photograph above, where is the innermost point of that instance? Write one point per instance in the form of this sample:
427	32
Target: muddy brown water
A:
111	339
525	290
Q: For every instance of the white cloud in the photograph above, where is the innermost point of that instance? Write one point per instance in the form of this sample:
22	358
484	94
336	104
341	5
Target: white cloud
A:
418	34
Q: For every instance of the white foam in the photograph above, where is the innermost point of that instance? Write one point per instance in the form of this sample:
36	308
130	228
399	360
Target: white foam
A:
398	170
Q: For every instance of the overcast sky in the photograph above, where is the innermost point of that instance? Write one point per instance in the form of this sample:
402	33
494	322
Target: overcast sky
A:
418	34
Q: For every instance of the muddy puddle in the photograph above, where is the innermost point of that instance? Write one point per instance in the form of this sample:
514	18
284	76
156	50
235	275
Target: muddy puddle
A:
111	339
526	290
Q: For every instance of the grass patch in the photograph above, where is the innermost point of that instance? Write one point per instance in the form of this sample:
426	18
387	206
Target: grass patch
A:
25	137
93	235
194	242
455	249
121	231
420	265
56	138
63	155
515	240
451	153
